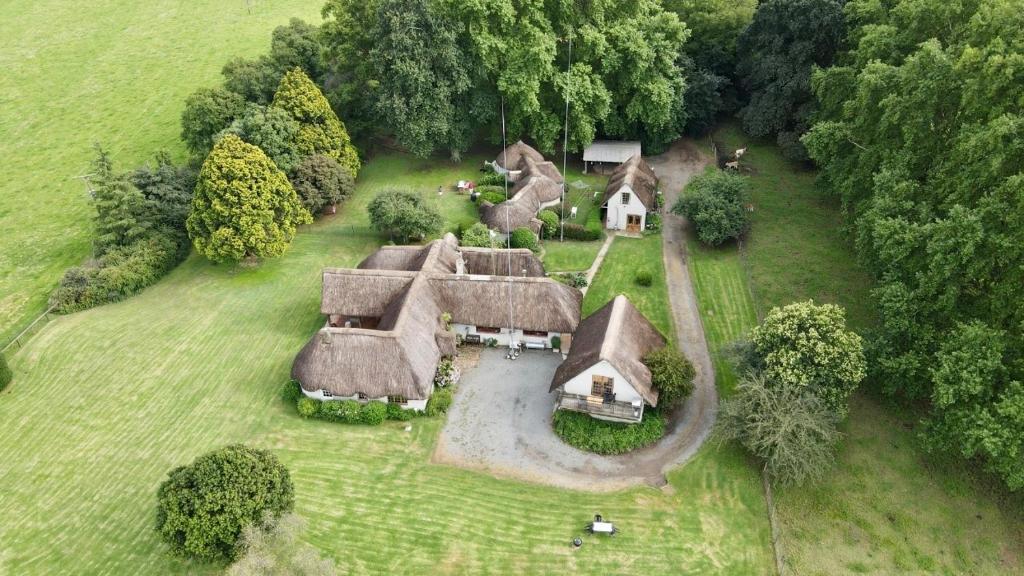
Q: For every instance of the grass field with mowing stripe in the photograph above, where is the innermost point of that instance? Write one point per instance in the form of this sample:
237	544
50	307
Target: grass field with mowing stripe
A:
625	258
115	72
106	402
885	508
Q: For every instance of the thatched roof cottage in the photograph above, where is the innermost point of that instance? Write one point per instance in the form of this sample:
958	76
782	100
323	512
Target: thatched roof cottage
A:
632	193
604	374
386	326
538	185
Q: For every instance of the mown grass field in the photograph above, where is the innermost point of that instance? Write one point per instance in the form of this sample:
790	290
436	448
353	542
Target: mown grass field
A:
107	401
885	508
625	258
115	72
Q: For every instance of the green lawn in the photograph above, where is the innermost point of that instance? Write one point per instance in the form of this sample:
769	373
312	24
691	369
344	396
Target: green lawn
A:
107	401
570	255
625	258
884	509
115	72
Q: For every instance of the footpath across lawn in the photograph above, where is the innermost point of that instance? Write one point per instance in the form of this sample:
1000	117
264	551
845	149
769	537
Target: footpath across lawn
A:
885	508
106	402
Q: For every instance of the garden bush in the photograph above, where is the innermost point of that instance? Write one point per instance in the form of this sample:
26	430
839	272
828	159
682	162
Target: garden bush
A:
524	238
291	392
643	278
307	407
601	437
556	342
671	374
373	413
344	411
5	372
439	402
574	279
653	223
396	412
579	232
203	508
550	220
403	215
477	235
491	194
490	179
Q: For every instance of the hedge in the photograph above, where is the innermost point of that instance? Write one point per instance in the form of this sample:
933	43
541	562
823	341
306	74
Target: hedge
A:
353	412
601	437
579	232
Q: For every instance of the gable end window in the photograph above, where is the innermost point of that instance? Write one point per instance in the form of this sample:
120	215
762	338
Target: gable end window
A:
397	399
625	197
602	386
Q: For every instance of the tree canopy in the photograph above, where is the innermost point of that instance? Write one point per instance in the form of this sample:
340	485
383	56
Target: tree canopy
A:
403	215
321	181
714	203
207	112
203	508
786	39
808	345
243	205
272	130
320	130
671	374
920	135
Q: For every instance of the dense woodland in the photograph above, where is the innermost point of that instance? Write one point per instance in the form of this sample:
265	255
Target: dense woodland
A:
910	109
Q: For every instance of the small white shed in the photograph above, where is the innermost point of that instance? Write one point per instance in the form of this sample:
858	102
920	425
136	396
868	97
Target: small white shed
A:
609	153
604	374
632	193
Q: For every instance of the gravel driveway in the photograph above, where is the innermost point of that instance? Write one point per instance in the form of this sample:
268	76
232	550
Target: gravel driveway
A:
500	421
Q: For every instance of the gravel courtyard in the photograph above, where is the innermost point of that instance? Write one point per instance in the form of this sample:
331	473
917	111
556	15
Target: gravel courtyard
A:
500	422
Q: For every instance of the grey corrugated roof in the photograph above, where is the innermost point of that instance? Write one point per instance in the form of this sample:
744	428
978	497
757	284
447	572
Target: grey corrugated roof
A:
611	151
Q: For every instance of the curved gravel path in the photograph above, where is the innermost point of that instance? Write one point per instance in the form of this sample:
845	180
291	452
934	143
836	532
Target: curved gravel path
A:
500	421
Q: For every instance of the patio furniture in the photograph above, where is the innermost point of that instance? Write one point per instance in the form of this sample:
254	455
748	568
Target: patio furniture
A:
572	212
599	526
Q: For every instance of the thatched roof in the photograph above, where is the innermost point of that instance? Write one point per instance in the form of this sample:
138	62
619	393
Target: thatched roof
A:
408	289
619	334
490	262
529	196
537	303
514	157
546	169
638	176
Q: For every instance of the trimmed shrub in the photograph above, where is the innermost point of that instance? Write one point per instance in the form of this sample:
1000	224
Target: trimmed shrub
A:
5	372
439	402
291	392
579	232
653	223
550	220
643	278
671	374
445	373
403	215
344	411
556	342
524	238
307	407
601	437
202	508
373	413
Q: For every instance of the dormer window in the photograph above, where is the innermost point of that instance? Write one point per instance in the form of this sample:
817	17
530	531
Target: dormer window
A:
625	197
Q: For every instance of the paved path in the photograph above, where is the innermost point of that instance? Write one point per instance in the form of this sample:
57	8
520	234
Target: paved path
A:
592	271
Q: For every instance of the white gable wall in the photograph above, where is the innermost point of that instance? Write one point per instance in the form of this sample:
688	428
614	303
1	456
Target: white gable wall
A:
583	383
617	211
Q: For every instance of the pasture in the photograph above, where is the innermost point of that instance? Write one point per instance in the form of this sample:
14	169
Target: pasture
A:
106	402
886	508
115	73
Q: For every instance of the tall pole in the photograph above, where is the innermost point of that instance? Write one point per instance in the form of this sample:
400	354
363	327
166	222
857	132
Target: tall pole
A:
565	142
508	236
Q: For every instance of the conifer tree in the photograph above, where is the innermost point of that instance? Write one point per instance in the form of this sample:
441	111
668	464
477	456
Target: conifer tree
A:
321	131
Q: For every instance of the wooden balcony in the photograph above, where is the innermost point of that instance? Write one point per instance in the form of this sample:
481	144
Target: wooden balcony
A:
599	408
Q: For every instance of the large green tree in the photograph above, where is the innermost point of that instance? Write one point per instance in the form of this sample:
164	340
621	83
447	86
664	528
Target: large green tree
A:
203	508
295	45
785	41
792	431
273	130
207	112
320	130
920	134
122	216
715	204
403	215
243	206
809	346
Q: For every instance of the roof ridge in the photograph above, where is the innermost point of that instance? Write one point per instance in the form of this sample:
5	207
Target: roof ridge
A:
612	329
